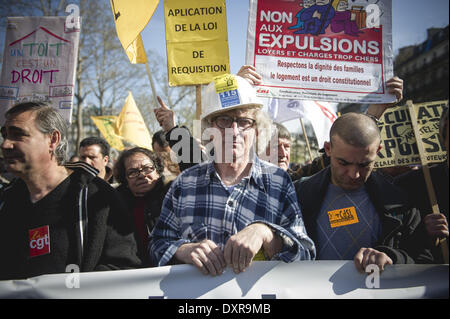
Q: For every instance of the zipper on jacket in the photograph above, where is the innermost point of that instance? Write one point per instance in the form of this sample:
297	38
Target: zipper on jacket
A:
82	219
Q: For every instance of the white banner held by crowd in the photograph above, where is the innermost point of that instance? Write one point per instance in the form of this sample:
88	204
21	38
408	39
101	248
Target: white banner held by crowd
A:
264	279
39	62
332	50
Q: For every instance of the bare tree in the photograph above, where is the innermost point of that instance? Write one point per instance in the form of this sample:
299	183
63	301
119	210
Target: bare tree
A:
181	99
104	74
110	73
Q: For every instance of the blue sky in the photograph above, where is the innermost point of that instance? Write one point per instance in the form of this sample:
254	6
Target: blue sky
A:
410	21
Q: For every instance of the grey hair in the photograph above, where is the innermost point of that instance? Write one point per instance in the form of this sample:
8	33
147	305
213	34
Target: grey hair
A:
281	131
265	131
263	124
47	120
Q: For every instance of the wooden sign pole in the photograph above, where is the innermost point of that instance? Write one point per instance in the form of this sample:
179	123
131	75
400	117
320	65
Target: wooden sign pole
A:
198	111
152	85
426	173
306	139
198	99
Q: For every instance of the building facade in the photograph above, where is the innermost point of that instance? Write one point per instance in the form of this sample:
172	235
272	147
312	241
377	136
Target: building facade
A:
424	69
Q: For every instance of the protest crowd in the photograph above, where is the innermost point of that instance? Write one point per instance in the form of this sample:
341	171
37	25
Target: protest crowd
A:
227	209
225	200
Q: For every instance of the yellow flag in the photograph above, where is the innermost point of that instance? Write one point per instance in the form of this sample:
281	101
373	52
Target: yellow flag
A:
131	17
136	51
106	126
130	125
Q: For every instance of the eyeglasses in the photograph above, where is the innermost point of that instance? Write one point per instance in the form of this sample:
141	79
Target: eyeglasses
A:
243	123
133	173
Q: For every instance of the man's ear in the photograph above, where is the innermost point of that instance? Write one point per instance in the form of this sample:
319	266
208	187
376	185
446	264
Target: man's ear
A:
55	139
327	147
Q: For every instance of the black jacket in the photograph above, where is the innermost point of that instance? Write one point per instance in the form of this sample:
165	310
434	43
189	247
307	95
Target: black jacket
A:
413	183
152	210
88	226
397	218
186	147
316	166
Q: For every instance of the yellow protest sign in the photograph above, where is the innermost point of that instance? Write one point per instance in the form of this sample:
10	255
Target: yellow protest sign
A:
106	126
196	41
131	17
130	125
397	136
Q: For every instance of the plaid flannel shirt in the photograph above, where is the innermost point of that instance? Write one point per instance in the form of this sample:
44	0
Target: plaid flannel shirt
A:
199	206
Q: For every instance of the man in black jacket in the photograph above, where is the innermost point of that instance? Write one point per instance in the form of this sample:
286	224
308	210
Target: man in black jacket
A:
95	151
350	211
433	226
55	216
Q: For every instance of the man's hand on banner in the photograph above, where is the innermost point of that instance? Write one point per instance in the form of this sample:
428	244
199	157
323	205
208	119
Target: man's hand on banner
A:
436	225
205	255
394	86
165	116
367	256
242	247
249	73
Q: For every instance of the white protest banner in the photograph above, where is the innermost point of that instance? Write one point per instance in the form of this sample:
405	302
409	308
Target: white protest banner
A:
262	280
398	141
328	50
39	62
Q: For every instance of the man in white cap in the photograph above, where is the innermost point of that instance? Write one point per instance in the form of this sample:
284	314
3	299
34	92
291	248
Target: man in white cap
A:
234	207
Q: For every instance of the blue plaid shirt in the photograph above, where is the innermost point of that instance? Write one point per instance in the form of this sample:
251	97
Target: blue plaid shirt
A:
199	206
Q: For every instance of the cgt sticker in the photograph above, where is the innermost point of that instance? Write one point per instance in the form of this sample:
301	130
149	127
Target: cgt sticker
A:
39	241
343	217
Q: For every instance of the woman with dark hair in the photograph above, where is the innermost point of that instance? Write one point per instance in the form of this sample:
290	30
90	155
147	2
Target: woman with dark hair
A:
143	187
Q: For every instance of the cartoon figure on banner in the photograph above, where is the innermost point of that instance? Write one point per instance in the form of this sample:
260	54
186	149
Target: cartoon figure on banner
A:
305	4
344	19
317	18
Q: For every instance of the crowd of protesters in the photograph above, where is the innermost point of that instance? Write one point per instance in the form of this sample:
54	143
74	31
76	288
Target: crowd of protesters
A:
221	201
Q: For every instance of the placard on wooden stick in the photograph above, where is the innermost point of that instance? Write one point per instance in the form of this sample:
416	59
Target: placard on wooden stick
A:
426	173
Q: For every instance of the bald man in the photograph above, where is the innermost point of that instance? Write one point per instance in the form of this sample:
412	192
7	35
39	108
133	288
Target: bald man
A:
352	212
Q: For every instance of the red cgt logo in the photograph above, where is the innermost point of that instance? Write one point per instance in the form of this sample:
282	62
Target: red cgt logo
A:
39	241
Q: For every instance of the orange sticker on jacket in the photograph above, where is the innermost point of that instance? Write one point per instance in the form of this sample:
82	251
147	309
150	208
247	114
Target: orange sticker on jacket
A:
343	217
